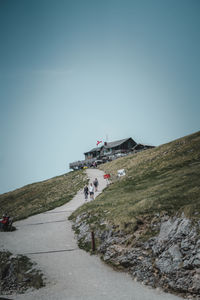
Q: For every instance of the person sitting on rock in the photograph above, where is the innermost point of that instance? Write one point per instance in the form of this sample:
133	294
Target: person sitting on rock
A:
5	221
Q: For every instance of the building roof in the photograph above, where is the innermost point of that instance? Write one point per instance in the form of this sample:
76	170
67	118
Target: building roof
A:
116	143
108	145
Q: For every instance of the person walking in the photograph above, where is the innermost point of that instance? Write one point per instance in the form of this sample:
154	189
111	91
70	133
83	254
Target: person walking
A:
86	192
96	183
91	190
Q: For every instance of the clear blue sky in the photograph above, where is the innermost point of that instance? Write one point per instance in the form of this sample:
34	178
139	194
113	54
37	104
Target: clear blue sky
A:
74	71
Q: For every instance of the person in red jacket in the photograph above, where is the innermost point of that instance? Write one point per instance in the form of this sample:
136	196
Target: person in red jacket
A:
5	221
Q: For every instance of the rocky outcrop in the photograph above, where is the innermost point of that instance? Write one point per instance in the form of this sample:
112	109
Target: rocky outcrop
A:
17	274
170	259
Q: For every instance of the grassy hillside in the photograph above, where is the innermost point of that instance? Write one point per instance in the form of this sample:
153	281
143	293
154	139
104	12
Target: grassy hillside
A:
162	180
42	196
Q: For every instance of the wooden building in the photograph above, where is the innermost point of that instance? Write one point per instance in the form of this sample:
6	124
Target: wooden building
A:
111	148
107	152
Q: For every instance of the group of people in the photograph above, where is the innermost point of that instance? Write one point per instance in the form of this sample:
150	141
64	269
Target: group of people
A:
93	187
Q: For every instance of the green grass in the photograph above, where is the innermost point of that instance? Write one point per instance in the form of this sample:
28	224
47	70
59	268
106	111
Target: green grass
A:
162	180
42	196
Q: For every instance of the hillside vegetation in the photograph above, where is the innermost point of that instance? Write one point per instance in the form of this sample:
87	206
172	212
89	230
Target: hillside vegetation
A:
163	180
42	196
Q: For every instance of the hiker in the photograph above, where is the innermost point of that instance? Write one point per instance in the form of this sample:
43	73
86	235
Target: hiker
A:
96	183
5	222
86	192
91	190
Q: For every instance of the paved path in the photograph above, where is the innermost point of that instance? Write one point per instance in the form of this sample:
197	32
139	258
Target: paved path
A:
72	274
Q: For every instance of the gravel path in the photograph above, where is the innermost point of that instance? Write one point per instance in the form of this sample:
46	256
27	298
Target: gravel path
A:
71	273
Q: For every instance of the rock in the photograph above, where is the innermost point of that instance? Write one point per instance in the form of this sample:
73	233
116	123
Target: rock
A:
164	264
17	273
196	283
170	260
175	253
196	261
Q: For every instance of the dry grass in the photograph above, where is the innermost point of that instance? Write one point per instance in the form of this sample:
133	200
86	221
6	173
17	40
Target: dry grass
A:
159	180
42	196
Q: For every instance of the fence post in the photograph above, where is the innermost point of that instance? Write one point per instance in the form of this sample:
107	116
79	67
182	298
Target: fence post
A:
92	227
93	241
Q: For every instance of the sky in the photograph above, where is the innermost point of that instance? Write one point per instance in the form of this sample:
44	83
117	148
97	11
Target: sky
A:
76	71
